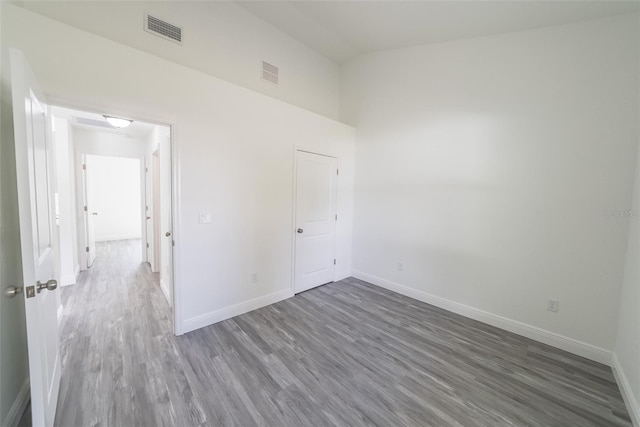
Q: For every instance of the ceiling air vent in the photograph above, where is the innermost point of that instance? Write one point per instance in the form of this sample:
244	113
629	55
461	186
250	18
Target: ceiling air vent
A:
269	73
162	28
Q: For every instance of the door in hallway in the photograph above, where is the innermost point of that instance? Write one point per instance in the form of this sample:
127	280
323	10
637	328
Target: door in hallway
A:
33	146
89	214
315	220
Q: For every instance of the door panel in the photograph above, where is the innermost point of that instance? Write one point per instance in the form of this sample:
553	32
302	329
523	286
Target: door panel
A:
89	214
37	241
166	245
315	220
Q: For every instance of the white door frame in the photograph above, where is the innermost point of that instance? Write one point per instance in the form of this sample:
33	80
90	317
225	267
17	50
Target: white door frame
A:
178	327
321	152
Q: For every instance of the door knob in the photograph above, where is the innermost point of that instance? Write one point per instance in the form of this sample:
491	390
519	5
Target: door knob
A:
12	291
300	230
168	233
50	285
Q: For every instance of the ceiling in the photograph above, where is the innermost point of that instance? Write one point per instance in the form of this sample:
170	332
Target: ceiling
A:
343	30
97	123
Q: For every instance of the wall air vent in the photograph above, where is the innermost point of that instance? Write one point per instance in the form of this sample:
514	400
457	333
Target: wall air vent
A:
162	28
269	73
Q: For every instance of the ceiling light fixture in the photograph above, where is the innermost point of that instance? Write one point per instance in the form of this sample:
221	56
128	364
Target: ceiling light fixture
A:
117	122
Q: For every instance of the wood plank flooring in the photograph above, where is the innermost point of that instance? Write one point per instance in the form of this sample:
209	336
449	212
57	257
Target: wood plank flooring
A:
343	354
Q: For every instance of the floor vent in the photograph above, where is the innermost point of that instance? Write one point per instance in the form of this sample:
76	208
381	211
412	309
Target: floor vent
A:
162	28
269	73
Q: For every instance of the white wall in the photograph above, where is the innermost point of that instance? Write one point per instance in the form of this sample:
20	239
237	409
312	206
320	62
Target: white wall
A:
220	38
485	166
109	143
115	194
234	150
65	183
627	349
14	370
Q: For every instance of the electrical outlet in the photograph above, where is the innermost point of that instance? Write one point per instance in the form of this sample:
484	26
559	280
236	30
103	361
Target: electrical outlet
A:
553	305
204	218
254	278
400	266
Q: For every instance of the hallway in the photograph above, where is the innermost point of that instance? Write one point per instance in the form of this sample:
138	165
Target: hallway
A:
115	320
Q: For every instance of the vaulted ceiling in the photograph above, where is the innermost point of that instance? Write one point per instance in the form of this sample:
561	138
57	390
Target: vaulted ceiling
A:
342	30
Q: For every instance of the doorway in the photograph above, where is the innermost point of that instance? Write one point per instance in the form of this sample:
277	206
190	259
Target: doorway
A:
315	219
121	186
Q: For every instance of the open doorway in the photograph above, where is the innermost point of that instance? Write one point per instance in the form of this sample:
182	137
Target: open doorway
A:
114	199
113	196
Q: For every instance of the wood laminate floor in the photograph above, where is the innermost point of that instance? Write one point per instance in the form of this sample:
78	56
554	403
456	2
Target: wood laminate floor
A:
345	354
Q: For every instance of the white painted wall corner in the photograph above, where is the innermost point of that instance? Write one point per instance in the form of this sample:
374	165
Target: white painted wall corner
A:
19	405
165	290
630	400
571	345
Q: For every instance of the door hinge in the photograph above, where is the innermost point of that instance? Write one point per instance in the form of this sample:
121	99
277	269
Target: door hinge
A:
87	248
334	261
84	166
146	169
336	217
86	209
337	171
147	246
146	207
173	243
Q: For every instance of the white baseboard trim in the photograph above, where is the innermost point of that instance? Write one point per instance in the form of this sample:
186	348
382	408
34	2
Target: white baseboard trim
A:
234	310
19	405
630	399
118	237
571	345
165	291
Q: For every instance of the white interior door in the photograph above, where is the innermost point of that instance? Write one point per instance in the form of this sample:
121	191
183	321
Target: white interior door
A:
148	212
89	213
36	213
155	214
316	184
166	246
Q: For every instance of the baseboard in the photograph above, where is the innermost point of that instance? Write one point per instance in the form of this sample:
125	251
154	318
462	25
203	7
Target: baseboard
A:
630	399
19	405
118	237
165	291
234	310
571	345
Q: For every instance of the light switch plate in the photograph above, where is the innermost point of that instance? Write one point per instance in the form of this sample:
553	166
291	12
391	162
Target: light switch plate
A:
205	218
